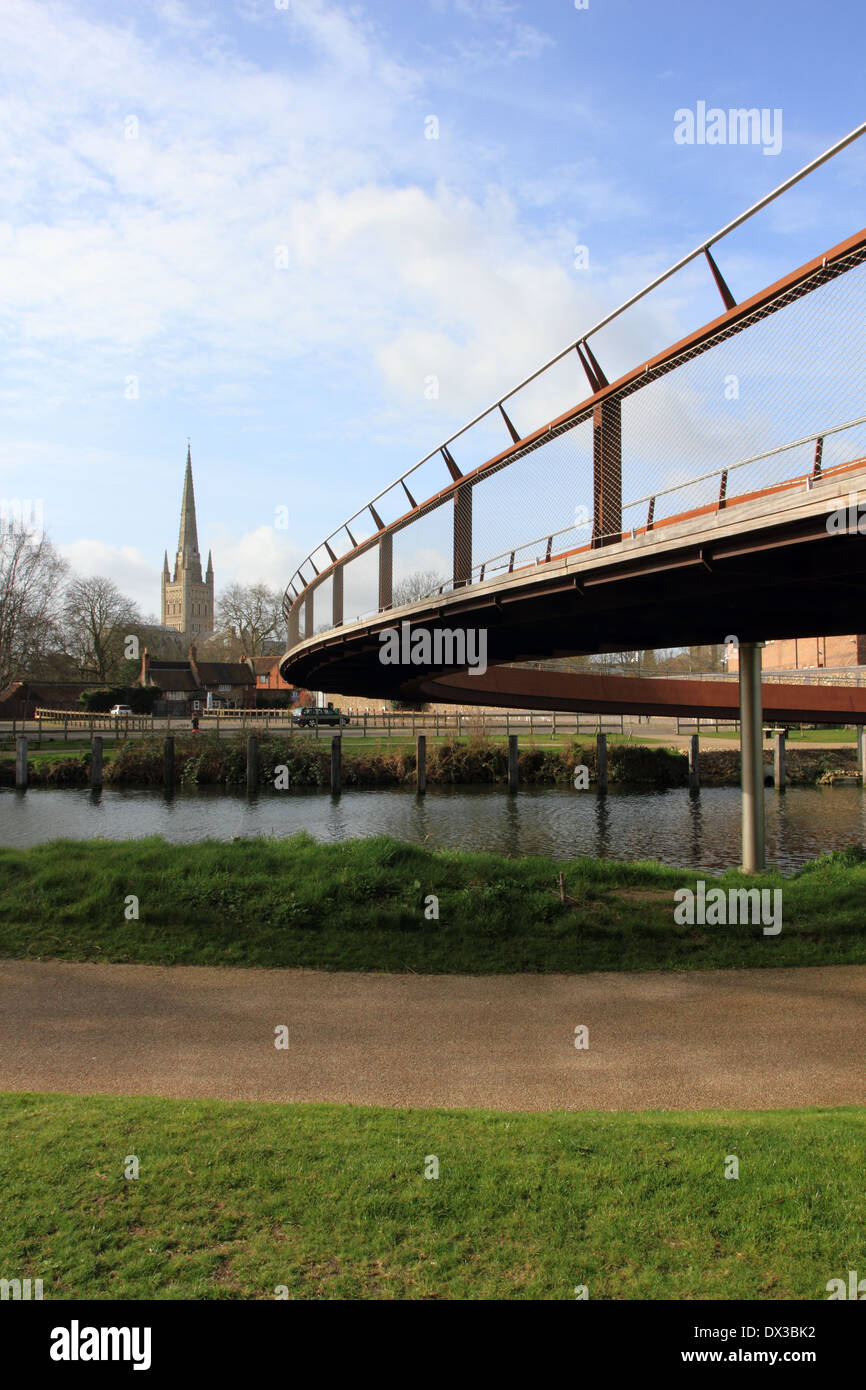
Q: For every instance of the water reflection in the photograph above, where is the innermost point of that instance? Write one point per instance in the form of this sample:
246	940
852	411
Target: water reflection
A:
699	829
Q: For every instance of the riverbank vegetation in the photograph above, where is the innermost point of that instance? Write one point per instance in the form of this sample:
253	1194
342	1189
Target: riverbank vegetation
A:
331	1201
207	760
381	904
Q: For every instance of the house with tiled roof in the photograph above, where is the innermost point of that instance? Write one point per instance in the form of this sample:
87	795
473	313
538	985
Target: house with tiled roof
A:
192	684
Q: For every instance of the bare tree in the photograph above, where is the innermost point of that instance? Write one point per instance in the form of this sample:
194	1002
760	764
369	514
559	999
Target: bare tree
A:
253	614
31	575
97	618
414	586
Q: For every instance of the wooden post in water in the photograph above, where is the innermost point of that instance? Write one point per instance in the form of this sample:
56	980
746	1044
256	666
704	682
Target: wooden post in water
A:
96	765
336	763
779	769
601	761
252	763
421	763
168	763
694	763
21	763
512	762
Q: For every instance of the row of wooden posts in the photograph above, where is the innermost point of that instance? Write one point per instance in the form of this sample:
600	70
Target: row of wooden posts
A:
168	776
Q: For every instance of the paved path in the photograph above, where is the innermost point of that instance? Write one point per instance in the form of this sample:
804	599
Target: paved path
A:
750	1039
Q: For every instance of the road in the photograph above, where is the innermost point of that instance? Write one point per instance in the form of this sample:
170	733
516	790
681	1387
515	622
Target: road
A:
749	1039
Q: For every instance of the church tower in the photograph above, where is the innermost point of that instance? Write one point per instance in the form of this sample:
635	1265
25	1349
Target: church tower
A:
187	598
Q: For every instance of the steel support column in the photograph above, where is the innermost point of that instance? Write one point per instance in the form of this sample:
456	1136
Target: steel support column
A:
386	571
337	596
607	473
462	552
293	627
751	757
309	619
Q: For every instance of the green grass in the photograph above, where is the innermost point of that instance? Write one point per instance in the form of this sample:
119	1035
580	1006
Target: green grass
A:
820	736
236	1199
360	905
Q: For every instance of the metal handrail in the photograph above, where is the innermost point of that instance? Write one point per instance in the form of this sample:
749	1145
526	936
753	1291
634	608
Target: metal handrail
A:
662	492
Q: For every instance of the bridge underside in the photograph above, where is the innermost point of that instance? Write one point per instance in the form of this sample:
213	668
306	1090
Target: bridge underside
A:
510	688
780	576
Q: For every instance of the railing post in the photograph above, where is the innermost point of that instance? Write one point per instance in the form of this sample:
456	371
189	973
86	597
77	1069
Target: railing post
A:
607	473
462	545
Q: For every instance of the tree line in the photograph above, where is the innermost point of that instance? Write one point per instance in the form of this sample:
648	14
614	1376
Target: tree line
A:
59	625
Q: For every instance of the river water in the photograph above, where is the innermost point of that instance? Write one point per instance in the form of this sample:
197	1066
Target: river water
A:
696	830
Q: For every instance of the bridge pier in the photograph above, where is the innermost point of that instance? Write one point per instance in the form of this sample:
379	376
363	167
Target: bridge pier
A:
751	757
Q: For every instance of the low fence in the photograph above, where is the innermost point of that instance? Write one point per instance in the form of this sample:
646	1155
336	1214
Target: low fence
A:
396	723
66	724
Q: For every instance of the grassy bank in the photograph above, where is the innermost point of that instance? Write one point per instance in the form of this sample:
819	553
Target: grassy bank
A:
362	905
207	760
235	1199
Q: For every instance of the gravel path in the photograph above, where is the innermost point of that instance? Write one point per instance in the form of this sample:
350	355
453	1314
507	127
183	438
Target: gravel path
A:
748	1039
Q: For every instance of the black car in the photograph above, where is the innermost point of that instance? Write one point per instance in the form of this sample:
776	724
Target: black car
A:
324	715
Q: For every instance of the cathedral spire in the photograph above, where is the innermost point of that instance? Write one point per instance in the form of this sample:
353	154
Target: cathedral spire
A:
187	596
187	544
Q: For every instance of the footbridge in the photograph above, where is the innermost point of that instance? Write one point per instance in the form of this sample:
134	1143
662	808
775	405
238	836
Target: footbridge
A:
707	491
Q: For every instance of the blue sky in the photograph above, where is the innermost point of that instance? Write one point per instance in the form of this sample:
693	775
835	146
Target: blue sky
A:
226	222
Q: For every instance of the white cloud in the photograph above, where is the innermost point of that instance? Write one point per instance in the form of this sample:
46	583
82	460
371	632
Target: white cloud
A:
133	573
